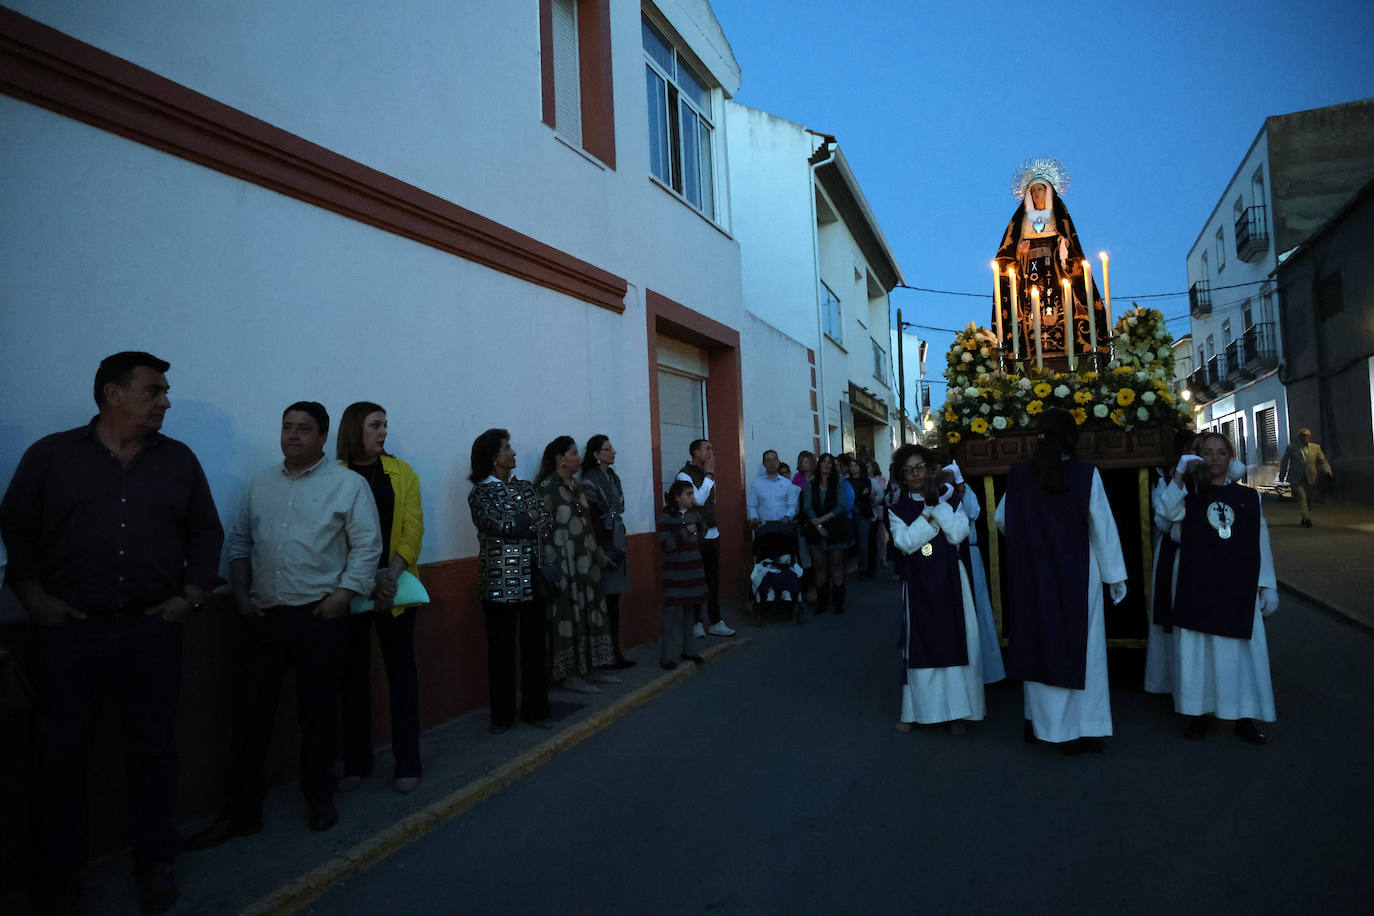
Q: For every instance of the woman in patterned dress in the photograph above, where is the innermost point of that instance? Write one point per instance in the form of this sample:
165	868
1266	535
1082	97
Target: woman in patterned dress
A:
579	628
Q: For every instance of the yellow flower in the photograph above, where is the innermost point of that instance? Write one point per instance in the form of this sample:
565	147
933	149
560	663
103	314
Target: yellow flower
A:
1125	397
1083	397
1043	389
1168	398
1159	385
1080	415
1118	417
1122	370
1034	407
979	425
953	437
1090	375
950	415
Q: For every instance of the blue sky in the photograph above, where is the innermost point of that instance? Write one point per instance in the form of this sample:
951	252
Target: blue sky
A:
1150	105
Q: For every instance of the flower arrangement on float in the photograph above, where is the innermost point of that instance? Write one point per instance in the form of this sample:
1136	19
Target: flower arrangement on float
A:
1133	389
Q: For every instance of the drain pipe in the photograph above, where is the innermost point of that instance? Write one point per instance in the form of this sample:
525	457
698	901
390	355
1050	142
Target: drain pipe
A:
823	155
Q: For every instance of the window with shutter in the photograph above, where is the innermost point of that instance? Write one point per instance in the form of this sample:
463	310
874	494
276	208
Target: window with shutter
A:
1267	430
567	81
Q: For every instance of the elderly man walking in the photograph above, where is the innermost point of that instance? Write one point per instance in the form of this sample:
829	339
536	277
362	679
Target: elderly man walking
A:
1301	464
113	539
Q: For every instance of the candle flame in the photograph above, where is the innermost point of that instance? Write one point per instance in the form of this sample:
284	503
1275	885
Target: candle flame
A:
1102	255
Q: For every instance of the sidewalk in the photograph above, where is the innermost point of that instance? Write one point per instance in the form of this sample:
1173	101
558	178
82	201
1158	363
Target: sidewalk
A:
286	866
1330	564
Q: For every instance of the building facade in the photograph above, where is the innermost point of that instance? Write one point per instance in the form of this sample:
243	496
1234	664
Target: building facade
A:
1298	171
1326	306
476	215
817	273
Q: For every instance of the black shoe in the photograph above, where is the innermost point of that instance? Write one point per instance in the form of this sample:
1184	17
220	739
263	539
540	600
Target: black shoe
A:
1197	728
1247	730
224	828
323	816
621	663
838	597
1084	746
498	729
157	887
668	666
1307	523
693	658
539	723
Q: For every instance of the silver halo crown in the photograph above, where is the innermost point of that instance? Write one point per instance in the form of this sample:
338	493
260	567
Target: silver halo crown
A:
1045	168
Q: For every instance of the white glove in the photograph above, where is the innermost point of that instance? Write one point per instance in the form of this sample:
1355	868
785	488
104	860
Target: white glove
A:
1236	471
1185	461
953	468
1118	590
1269	601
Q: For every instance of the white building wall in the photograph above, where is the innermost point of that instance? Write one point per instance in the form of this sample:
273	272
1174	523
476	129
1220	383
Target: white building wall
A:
258	299
1230	285
777	409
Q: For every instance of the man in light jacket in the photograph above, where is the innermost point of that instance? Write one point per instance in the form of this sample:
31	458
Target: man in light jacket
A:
1301	464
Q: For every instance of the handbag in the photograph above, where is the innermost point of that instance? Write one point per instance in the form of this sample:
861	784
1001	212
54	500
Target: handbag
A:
409	590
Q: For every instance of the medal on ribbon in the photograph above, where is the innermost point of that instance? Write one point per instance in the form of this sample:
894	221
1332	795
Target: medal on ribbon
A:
927	549
1220	516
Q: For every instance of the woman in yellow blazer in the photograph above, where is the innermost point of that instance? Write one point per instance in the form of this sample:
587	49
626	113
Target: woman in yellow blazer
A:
361	446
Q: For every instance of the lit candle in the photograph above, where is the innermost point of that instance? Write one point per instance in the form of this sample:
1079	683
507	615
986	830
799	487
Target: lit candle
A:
1107	292
1068	320
1015	320
997	299
1092	310
1035	307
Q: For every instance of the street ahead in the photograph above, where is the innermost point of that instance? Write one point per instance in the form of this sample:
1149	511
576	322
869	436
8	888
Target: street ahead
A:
774	782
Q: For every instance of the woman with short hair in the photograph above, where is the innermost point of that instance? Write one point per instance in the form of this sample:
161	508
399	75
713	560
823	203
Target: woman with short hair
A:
511	521
361	446
578	628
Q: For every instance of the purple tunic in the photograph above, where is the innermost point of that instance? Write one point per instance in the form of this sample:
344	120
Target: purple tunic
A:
1217	577
935	600
1047	569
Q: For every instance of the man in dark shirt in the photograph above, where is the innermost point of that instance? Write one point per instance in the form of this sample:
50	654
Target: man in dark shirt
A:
113	539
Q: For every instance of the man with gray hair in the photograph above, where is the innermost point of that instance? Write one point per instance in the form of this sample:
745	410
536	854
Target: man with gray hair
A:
1302	462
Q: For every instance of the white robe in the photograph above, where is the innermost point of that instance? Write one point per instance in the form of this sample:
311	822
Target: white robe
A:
1222	675
993	668
1161	650
1061	714
942	694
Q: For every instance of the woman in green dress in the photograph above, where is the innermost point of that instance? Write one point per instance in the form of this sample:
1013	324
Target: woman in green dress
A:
579	628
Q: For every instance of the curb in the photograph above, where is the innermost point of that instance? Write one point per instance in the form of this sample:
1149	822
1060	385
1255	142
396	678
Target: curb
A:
296	894
1322	604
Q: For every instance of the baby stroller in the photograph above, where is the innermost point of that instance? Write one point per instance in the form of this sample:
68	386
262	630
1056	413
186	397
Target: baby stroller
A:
776	577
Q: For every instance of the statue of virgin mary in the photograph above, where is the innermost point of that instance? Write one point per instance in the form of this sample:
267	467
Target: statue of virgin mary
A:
1041	243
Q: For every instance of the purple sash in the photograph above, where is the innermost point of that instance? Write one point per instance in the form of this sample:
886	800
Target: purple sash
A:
1047	569
1218	576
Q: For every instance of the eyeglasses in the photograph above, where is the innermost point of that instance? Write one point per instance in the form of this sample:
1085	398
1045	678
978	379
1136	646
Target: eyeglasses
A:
908	468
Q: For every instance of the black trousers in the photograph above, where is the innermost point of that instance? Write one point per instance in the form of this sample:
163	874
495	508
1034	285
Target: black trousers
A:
508	624
396	639
710	562
136	661
286	637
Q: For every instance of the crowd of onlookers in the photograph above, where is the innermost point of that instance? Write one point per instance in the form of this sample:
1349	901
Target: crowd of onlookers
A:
113	538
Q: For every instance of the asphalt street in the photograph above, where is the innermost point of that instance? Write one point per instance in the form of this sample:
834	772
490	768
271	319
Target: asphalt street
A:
775	782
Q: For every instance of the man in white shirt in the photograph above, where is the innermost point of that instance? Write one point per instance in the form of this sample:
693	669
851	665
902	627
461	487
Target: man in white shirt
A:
305	543
700	472
771	497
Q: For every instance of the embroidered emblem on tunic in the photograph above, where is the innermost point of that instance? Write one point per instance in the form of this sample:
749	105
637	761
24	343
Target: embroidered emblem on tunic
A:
927	549
1221	516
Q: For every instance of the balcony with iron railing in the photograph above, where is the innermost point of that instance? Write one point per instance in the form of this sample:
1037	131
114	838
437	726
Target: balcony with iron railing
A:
1197	384
1200	299
1218	381
1252	233
1259	351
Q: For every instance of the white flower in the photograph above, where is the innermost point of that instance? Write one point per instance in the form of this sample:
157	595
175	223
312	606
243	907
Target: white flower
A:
985	409
1148	356
1143	413
1148	397
970	392
984	352
1023	383
1062	391
1165	351
999	422
1132	321
1159	333
966	357
1100	410
1142	375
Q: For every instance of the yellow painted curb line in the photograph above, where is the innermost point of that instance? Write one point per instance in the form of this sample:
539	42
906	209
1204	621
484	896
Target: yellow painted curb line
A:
297	893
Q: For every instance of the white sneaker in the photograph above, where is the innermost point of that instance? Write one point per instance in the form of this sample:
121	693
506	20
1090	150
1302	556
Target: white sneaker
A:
698	631
720	628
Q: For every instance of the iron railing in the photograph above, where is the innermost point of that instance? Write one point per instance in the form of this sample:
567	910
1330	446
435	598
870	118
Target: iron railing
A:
1252	233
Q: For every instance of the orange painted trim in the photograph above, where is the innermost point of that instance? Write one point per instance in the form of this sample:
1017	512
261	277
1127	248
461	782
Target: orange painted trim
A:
48	68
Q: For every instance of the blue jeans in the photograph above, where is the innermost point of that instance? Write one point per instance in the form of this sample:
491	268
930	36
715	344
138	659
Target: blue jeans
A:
861	526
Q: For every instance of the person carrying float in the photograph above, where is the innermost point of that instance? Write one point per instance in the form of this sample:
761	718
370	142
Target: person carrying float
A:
942	676
1225	588
1062	547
